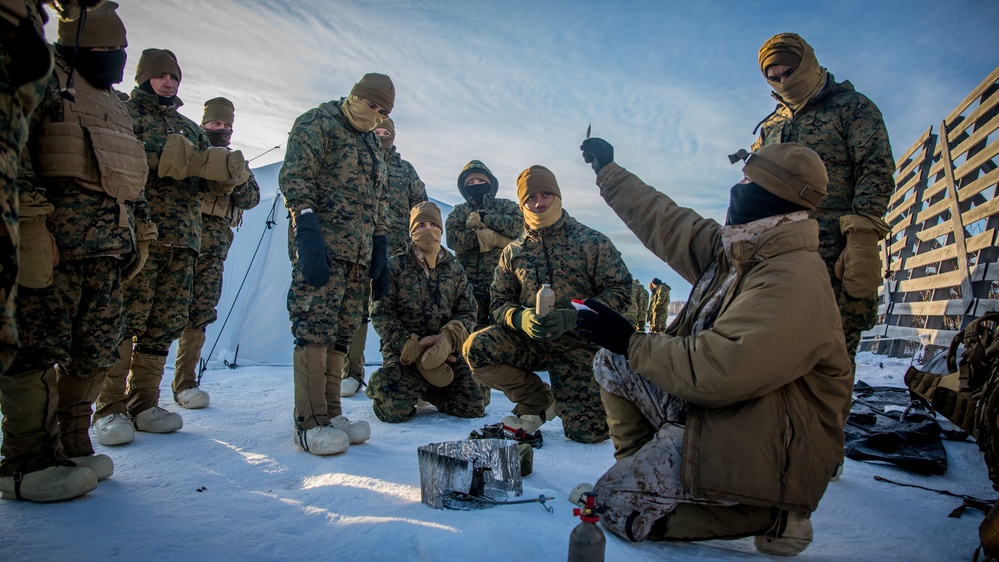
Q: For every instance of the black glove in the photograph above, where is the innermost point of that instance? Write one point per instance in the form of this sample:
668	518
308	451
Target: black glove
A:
604	327
597	153
380	275
314	256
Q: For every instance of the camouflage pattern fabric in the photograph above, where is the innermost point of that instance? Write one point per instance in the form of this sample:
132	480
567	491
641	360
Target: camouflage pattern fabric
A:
578	262
330	314
206	289
569	362
157	300
421	302
76	322
503	216
405	191
17	101
848	131
174	205
659	309
638	310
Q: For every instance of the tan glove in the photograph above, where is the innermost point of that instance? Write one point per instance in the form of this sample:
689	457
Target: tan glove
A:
145	233
859	265
474	221
37	251
411	350
180	160
489	239
441	346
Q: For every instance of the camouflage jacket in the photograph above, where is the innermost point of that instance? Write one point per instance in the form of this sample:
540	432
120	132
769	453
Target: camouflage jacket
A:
639	305
659	307
405	190
173	205
338	172
847	130
22	52
216	232
576	260
503	216
418	303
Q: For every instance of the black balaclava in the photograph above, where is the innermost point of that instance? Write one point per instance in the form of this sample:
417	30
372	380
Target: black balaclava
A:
101	69
147	87
749	202
219	137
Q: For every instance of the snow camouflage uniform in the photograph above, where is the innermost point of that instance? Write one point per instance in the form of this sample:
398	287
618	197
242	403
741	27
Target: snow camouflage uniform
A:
712	394
157	300
501	215
421	302
76	322
659	308
339	173
405	190
219	215
578	262
848	132
639	305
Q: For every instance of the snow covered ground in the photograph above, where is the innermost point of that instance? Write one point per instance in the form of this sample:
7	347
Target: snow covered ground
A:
231	485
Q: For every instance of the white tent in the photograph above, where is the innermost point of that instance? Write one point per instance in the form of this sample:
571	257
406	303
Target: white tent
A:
253	326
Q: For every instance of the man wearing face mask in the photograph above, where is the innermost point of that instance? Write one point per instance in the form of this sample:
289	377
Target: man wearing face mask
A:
334	183
423	320
158	298
78	190
220	213
753	375
479	229
405	190
848	132
577	262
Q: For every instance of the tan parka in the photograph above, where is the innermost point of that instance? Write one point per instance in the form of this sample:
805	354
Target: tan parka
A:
768	383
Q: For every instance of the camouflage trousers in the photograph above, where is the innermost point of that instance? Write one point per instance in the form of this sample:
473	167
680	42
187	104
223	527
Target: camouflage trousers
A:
76	323
569	365
482	317
643	491
328	315
206	291
158	299
857	314
395	388
8	257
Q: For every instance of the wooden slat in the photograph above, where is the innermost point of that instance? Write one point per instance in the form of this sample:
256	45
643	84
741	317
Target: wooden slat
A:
932	256
975	94
928	337
979	185
952	307
972	164
971	120
933	210
980	212
919	144
936	231
984	272
983	240
938	281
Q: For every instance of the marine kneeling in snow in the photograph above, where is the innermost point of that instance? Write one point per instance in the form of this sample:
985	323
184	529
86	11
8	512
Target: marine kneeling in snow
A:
423	320
728	424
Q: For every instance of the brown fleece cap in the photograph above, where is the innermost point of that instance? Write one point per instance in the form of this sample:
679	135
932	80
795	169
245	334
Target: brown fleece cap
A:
103	29
377	88
154	62
783	48
790	171
535	180
425	211
219	109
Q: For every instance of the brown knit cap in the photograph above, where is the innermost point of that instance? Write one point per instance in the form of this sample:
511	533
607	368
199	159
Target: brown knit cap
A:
386	124
219	109
783	48
790	171
425	211
103	29
154	62
535	180
377	88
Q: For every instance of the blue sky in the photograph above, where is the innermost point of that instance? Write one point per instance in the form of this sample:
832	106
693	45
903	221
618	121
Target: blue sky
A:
675	87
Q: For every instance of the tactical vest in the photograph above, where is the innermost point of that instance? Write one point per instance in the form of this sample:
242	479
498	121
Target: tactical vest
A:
94	145
221	206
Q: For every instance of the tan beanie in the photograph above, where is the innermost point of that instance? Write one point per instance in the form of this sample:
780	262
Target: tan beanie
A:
535	180
219	109
377	88
790	171
783	48
154	62
103	29
387	124
425	211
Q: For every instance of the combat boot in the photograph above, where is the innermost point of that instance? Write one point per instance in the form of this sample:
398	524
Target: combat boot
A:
530	422
185	385
792	540
37	468
357	431
144	394
114	429
353	368
313	432
76	399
